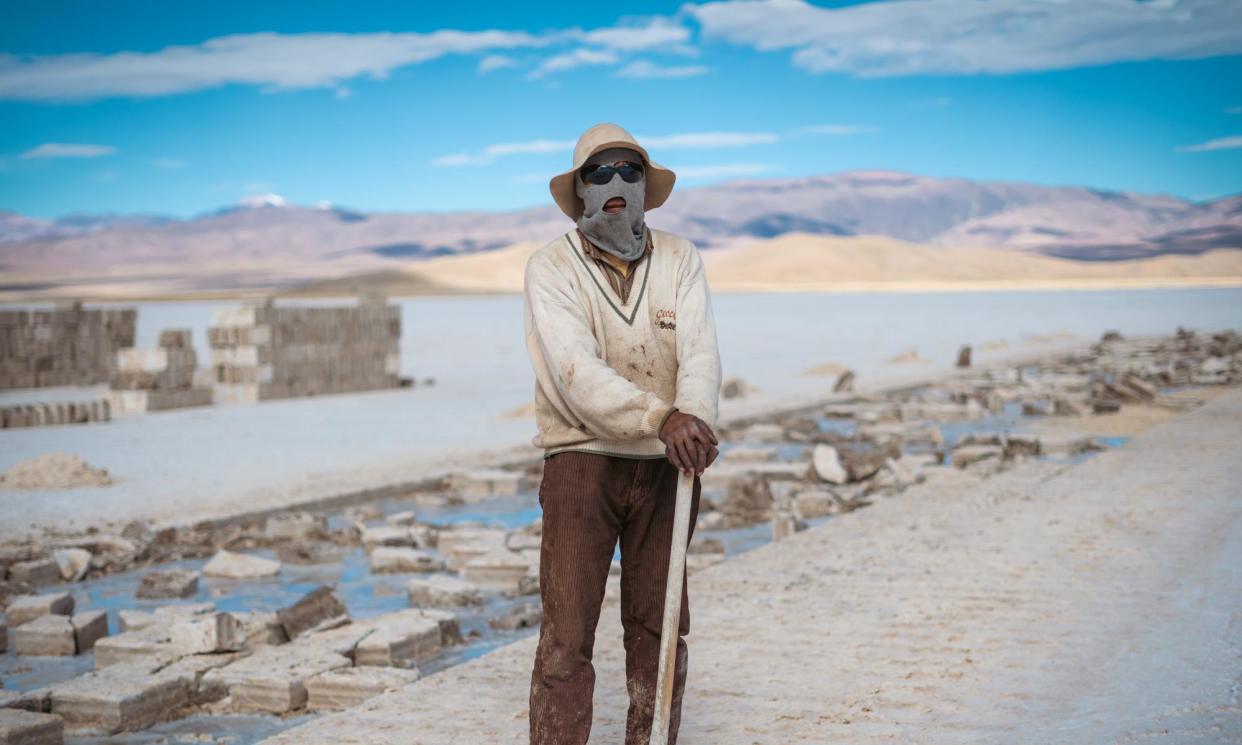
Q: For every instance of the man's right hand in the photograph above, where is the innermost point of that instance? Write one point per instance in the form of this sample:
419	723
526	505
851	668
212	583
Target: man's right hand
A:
689	443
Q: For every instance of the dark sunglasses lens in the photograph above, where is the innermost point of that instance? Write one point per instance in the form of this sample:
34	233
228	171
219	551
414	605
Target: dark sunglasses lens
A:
631	172
600	175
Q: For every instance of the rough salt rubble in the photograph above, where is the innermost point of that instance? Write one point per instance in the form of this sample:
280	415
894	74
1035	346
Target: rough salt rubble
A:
777	475
1056	602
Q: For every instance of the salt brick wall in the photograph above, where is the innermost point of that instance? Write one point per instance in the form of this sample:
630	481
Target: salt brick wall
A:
65	346
264	352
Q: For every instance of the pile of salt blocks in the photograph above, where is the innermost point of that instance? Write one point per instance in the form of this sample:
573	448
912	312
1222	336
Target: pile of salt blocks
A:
261	352
157	379
171	661
62	346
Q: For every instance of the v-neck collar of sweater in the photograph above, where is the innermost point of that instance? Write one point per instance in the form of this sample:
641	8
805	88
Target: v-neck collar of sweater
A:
605	289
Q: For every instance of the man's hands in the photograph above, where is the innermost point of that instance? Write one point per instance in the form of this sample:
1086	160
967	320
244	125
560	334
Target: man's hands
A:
689	443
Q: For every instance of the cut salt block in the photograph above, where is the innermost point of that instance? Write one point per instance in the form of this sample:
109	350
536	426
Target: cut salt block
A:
499	569
316	610
123	698
20	727
72	563
450	541
450	629
393	559
149	647
295	526
193	668
217	632
37	700
230	565
25	608
351	686
441	590
261	628
273	679
89	627
400	640
37	572
46	636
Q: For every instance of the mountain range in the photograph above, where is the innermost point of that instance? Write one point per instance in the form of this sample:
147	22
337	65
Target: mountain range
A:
268	242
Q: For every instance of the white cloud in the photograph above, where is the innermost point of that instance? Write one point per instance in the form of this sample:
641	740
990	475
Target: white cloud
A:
656	33
1234	110
647	69
570	60
67	150
273	61
706	140
1220	143
276	62
491	152
680	141
533	146
724	169
495	62
169	163
836	129
914	37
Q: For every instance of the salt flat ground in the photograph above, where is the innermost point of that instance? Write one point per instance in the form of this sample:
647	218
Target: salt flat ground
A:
192	464
1096	603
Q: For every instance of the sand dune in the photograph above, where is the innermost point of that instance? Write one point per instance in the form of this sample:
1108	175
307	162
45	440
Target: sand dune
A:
806	262
793	262
493	271
802	261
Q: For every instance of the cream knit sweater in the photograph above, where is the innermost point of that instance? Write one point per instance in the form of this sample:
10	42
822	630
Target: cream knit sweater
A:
608	373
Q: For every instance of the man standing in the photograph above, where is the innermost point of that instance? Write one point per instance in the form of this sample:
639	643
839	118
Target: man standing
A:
622	339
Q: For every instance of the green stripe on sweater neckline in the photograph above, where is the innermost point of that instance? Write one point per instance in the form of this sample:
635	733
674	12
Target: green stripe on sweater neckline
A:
638	299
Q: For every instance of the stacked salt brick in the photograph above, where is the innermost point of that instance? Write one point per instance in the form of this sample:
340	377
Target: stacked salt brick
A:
157	379
64	346
262	352
54	412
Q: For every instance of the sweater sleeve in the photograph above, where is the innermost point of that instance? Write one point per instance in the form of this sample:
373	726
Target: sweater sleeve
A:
698	358
608	406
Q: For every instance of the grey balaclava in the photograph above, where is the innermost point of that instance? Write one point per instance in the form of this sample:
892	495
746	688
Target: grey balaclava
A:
622	234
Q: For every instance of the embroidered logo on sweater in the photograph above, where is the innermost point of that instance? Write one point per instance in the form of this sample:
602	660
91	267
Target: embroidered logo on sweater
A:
666	319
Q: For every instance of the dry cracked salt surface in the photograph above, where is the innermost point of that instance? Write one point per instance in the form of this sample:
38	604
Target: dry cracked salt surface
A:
1053	603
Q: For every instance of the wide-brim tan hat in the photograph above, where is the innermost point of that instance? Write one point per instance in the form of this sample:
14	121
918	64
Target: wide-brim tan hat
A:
601	137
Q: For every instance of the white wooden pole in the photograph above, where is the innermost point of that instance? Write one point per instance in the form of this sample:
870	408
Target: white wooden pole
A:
672	611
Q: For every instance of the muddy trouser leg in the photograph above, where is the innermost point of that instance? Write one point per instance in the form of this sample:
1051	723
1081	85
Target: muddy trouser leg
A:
579	495
646	536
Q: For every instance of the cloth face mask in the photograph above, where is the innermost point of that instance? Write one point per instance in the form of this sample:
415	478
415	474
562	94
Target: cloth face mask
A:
622	234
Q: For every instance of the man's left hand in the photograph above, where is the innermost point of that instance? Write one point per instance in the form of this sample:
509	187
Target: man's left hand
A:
689	443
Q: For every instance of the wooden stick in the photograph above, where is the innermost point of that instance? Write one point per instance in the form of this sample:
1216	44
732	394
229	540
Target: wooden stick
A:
672	611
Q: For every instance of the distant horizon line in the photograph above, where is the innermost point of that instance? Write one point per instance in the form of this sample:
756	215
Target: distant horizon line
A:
239	204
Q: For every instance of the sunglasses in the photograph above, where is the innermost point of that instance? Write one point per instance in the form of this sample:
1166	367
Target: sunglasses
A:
600	174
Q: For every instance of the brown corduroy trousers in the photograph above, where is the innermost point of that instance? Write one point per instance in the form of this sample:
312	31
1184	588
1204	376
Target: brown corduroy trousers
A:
590	501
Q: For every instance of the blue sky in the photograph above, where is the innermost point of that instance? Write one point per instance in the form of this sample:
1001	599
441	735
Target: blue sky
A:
178	108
